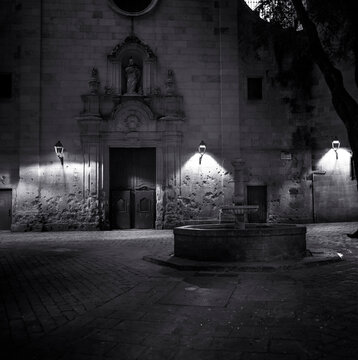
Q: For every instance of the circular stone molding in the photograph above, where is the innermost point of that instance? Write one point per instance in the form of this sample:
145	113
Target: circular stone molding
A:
132	7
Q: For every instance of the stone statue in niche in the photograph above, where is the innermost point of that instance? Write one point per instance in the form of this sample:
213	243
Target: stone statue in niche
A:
133	74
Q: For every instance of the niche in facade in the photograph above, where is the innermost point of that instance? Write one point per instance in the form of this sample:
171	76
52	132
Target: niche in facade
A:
132	68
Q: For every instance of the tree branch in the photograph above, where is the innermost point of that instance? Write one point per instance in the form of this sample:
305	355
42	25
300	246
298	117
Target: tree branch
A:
343	102
355	51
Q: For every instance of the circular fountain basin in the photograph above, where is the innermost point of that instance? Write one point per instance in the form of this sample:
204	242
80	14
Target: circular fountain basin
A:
257	242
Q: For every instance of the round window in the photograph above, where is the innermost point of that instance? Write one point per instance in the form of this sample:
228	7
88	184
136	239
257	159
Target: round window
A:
132	7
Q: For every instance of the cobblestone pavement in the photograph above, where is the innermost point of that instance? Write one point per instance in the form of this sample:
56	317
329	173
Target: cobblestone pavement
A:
89	295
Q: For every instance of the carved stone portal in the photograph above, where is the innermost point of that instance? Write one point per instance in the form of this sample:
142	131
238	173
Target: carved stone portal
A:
132	113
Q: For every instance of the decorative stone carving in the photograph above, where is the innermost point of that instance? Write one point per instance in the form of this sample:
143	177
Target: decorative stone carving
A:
108	90
131	116
129	42
156	91
94	82
132	122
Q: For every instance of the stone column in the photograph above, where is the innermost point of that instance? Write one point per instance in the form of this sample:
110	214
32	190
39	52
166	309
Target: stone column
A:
92	169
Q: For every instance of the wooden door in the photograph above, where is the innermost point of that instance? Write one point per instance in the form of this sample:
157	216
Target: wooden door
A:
132	170
144	209
257	195
5	209
120	211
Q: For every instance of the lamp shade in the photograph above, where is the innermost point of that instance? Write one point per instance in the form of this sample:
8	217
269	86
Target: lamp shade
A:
336	144
59	149
202	148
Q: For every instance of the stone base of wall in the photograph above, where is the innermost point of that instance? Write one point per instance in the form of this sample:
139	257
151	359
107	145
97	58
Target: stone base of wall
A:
56	227
26	227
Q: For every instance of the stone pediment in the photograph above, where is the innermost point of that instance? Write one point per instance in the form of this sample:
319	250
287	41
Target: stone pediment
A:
131	42
132	115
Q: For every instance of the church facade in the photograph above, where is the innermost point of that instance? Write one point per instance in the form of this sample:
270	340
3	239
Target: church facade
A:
162	112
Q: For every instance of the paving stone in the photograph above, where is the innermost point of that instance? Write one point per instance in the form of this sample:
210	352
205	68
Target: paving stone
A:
126	352
153	353
194	354
89	295
267	356
200	292
240	344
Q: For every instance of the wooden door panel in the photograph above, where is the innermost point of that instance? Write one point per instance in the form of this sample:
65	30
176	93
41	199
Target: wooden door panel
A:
5	209
120	209
144	209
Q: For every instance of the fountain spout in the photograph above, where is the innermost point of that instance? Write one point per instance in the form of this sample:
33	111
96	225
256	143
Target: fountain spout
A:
239	211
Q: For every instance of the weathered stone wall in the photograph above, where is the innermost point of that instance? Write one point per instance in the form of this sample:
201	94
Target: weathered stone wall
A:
188	37
205	187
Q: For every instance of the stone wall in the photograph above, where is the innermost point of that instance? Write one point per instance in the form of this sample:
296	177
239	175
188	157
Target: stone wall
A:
208	47
275	138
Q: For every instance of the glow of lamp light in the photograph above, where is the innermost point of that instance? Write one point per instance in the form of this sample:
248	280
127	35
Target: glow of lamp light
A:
329	162
210	164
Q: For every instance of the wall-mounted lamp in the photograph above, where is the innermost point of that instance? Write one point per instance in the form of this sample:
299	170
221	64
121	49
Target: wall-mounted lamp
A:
202	150
59	151
335	146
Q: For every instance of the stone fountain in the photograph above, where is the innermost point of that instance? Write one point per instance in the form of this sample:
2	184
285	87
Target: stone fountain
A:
240	241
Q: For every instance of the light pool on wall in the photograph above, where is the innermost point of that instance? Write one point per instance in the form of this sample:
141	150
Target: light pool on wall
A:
336	161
